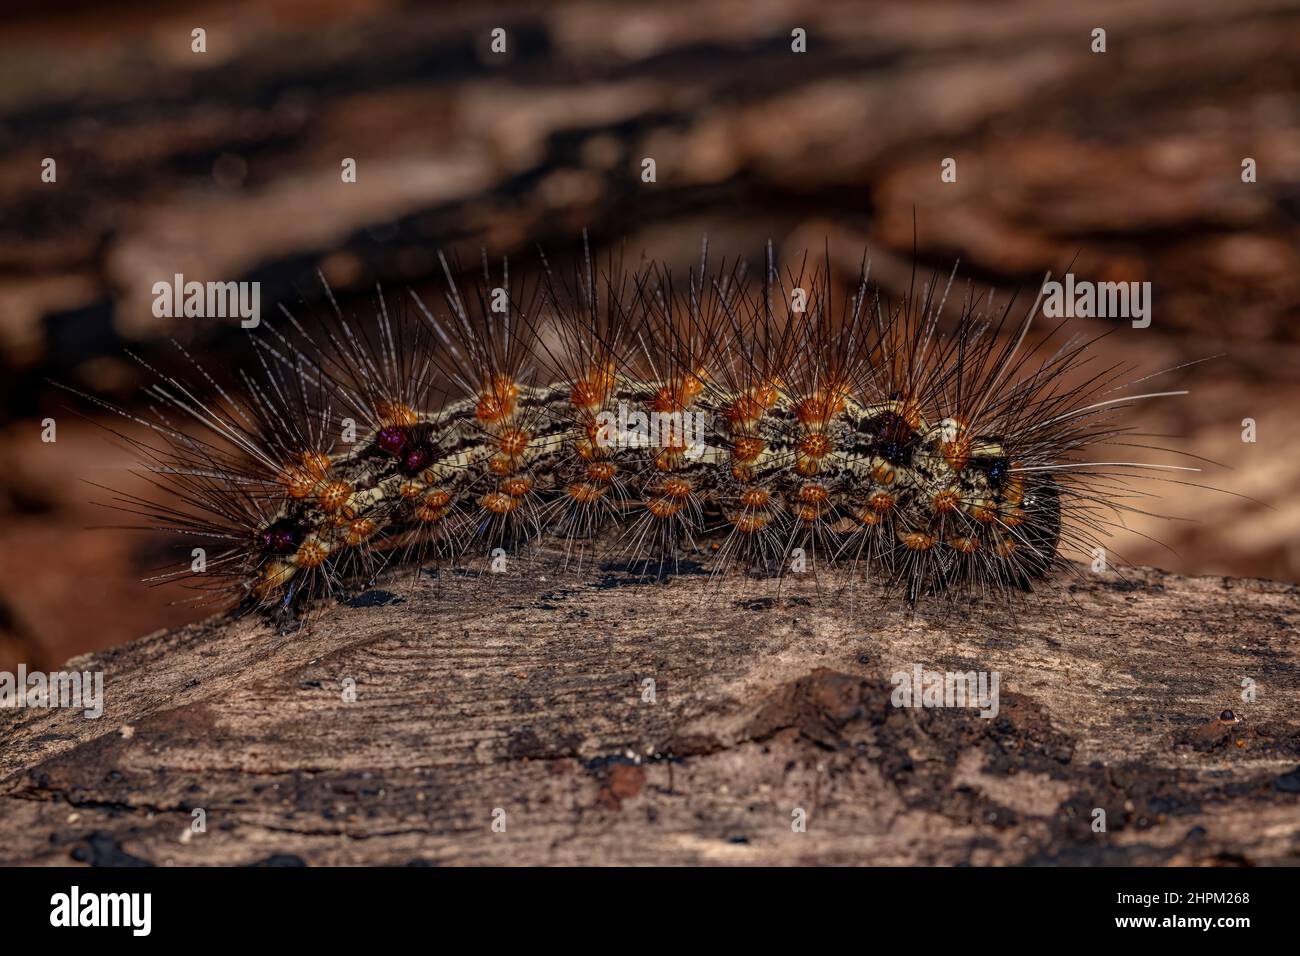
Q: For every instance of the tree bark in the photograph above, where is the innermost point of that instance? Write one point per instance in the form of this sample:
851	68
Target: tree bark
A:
521	698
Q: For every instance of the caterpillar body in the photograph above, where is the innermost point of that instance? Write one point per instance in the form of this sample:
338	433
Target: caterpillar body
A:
750	417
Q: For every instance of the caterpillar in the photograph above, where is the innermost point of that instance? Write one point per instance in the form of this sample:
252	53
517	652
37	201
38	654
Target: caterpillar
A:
635	415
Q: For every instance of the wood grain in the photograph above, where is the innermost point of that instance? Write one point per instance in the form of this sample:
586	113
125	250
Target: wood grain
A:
524	692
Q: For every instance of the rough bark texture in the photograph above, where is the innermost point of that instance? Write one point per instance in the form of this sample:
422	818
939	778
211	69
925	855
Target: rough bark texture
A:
525	692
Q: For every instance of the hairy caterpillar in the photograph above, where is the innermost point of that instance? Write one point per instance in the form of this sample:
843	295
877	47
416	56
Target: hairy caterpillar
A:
632	415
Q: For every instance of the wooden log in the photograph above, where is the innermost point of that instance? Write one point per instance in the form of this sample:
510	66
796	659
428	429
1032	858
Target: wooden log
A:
522	699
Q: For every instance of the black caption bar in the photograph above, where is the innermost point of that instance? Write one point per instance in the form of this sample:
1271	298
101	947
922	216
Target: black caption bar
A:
177	905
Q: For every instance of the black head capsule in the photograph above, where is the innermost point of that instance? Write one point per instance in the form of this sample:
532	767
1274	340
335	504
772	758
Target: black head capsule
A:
282	537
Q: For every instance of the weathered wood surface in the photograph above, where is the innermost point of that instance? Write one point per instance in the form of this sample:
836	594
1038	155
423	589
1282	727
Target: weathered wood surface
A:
525	692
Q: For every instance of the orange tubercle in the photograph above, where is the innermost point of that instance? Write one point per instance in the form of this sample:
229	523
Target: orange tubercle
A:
815	445
667	400
334	496
947	501
917	540
663	507
747	448
592	389
429	513
910	411
767	394
491	410
677	488
393	413
1011	517
317	464
814	494
747	409
881	501
305	472
513	442
668	459
586	396
692	385
820	407
497	400
499	503
311	554
957	452
359	530
517	487
297	482
806	513
586	493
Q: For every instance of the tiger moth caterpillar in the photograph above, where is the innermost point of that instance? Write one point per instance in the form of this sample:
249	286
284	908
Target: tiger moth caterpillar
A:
630	413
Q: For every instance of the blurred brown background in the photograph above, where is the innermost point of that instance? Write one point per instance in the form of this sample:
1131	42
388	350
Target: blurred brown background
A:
225	165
